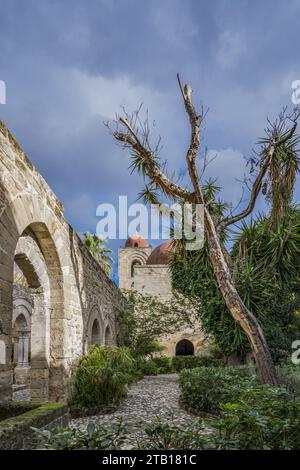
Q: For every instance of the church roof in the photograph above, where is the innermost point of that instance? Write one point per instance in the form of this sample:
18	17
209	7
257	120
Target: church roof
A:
136	242
160	255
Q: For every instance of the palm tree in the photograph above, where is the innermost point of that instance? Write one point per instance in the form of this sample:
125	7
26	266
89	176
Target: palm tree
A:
96	247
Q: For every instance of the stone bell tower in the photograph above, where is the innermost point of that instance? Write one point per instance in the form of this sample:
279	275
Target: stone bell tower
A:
136	252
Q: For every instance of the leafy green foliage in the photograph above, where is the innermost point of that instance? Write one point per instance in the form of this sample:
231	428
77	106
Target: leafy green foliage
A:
189	362
264	418
247	416
94	438
169	365
169	436
144	319
251	416
100	377
289	377
264	259
271	423
265	262
96	247
203	389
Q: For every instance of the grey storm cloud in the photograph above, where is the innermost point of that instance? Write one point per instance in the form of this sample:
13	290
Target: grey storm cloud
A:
70	65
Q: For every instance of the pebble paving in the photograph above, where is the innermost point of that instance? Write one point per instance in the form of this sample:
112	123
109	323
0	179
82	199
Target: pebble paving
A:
150	398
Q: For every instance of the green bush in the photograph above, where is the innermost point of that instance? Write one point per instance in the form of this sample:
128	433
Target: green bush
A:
164	364
264	426
148	368
289	377
160	435
190	362
93	438
265	417
100	377
203	389
250	416
169	365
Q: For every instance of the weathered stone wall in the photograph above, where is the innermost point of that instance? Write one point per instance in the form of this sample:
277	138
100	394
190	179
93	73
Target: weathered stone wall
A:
153	280
72	286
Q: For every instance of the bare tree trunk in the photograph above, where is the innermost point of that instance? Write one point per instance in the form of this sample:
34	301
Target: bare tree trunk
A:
245	319
277	136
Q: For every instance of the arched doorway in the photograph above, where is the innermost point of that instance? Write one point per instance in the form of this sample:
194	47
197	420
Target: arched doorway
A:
93	331
31	211
108	336
135	263
32	340
21	345
184	348
95	336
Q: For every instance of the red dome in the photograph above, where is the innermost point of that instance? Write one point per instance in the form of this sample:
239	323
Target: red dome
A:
160	255
136	242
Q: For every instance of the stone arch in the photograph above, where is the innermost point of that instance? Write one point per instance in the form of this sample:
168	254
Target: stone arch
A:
21	215
135	262
95	333
21	322
21	337
108	336
135	257
21	341
184	348
30	260
94	321
28	207
21	304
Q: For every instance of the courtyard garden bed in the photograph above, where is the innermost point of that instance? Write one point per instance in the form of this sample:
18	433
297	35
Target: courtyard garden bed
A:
18	419
247	415
11	409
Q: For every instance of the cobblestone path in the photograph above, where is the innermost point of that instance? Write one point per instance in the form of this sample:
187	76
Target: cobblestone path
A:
151	397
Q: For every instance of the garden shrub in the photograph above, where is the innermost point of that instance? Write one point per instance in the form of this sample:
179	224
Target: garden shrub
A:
239	427
161	435
148	367
250	416
265	418
204	388
169	365
100	377
164	364
93	438
190	362
289	377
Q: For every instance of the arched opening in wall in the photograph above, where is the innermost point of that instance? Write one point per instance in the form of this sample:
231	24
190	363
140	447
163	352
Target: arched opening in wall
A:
184	348
21	349
37	261
31	318
96	337
108	336
133	265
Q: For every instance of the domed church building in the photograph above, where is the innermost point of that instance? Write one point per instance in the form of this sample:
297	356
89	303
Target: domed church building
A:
146	271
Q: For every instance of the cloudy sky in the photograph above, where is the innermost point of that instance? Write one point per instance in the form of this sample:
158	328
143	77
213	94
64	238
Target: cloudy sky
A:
69	65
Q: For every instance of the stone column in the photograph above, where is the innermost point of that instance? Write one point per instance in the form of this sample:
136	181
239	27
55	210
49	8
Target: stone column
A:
39	372
26	349
21	355
16	345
